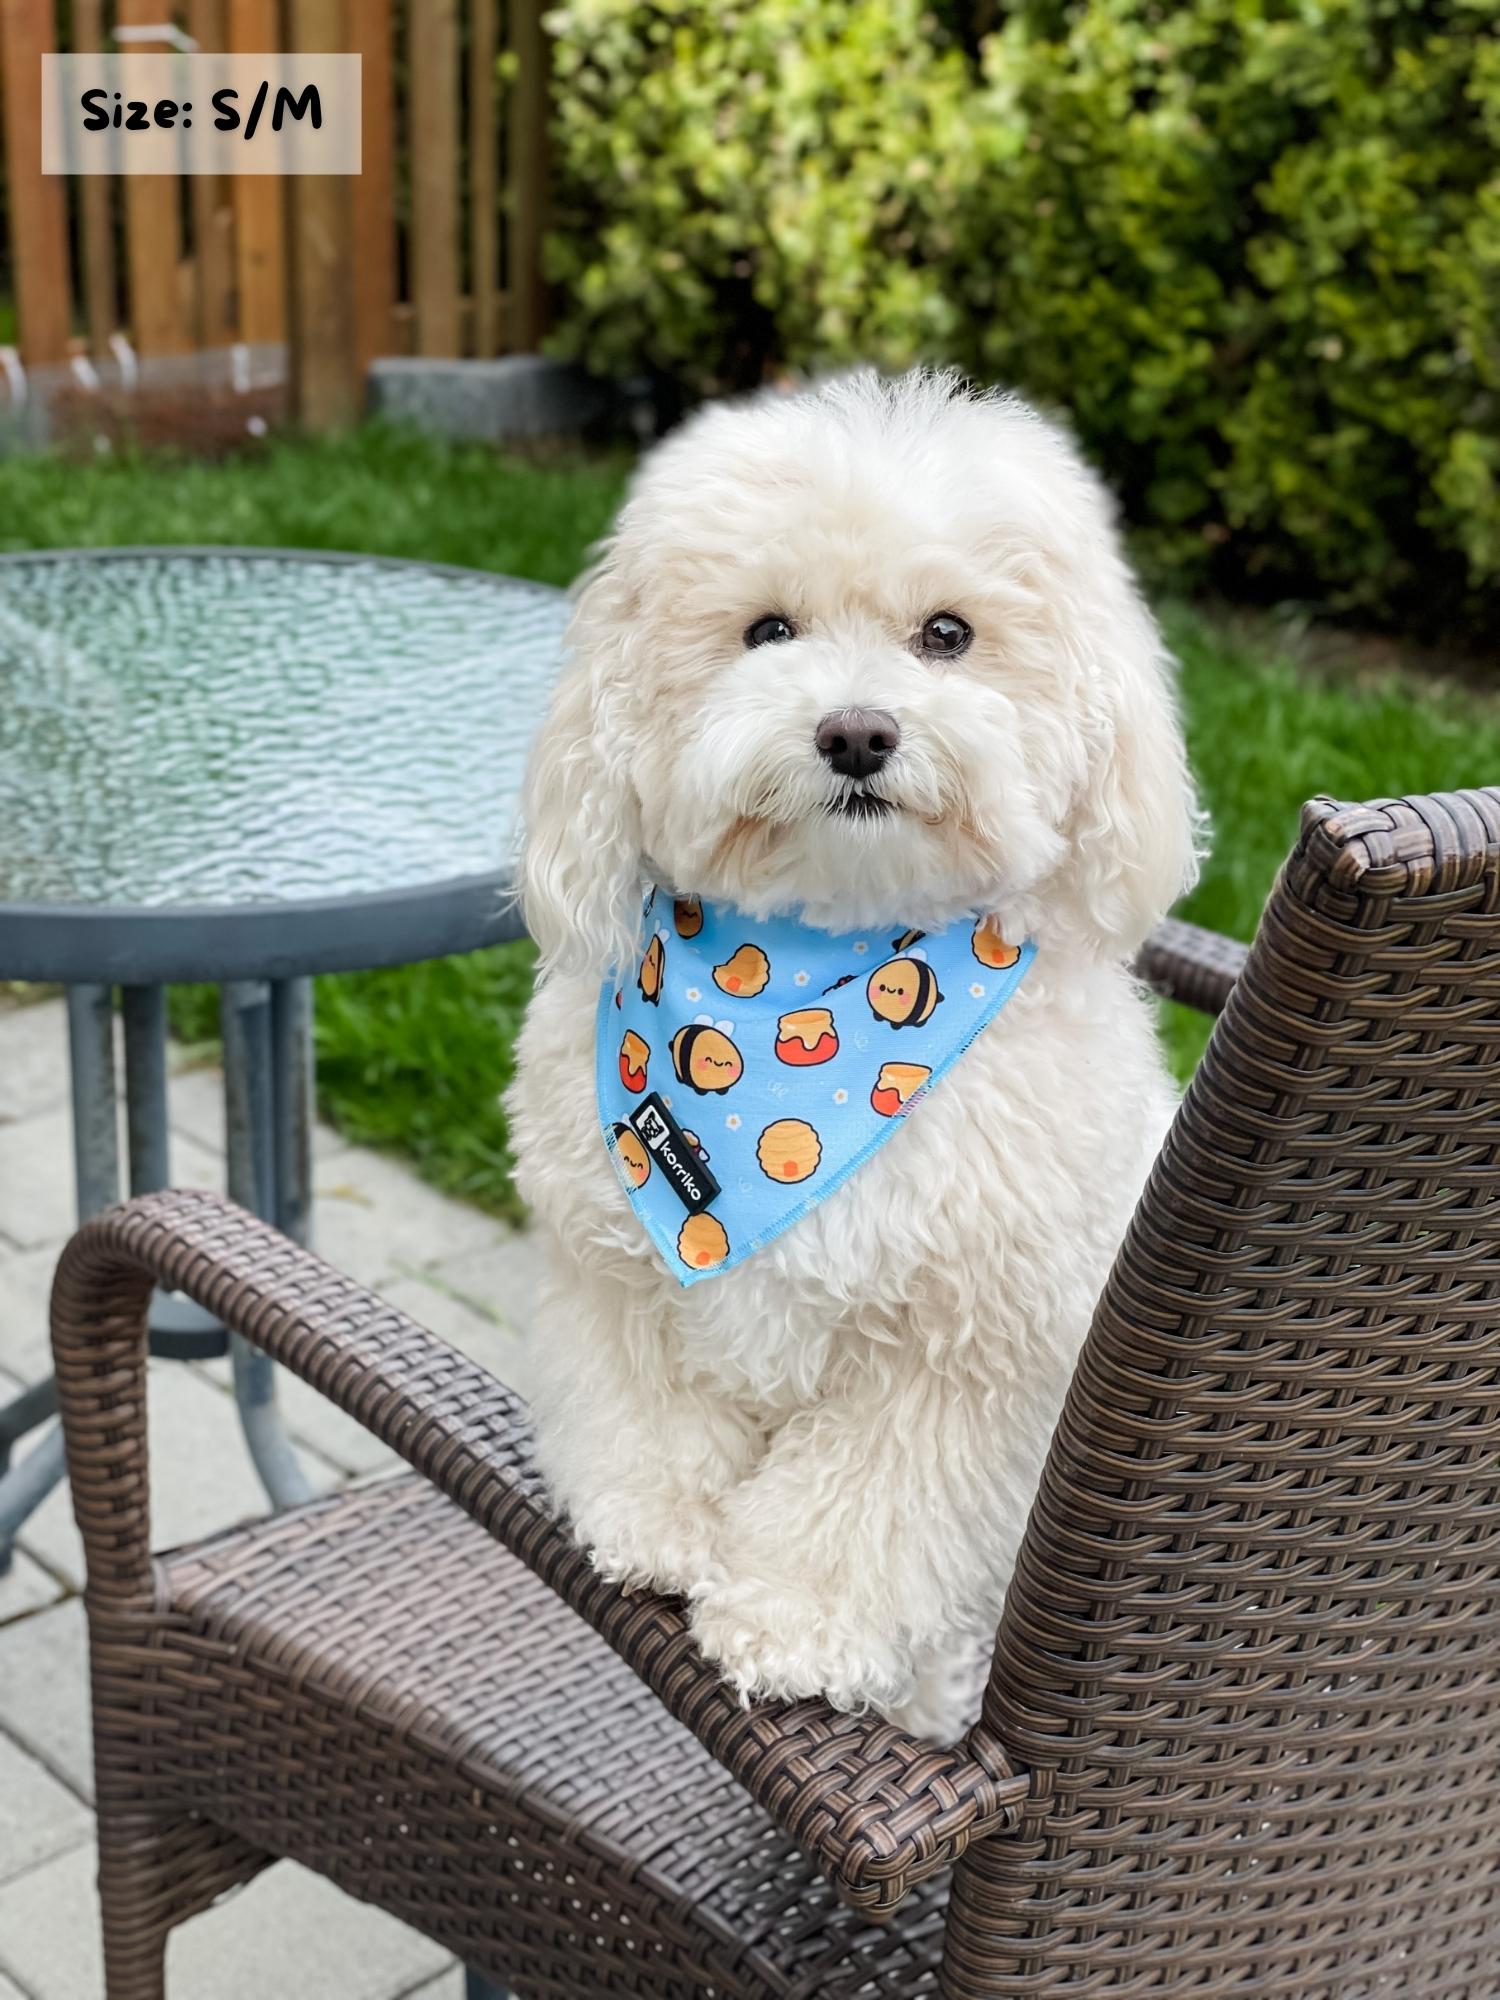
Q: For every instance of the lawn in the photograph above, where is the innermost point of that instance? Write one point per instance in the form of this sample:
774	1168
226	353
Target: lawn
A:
415	1058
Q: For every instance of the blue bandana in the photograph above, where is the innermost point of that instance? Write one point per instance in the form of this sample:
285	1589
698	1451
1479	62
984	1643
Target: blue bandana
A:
747	1067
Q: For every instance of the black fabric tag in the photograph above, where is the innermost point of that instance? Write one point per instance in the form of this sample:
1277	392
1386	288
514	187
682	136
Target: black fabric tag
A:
680	1166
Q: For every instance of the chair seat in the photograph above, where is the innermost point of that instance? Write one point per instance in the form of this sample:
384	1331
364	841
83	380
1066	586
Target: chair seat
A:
317	1679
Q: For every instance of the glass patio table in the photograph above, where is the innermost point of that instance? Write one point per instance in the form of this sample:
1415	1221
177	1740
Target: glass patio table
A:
246	767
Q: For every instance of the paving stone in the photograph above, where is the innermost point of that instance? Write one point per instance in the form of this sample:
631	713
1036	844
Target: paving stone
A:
288	1932
500	1281
201	1476
313	1421
26	1588
33	1058
38	1816
374	1220
25	1293
44	1672
36	1177
448	1985
37	1202
494	1346
195	1107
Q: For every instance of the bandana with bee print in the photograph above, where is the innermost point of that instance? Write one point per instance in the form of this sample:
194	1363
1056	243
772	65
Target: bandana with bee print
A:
747	1067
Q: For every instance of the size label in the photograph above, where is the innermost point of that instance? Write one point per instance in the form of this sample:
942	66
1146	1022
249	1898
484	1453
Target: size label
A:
679	1162
139	113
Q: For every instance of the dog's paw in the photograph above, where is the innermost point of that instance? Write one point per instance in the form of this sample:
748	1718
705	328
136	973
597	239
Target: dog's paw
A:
947	1689
784	1644
665	1545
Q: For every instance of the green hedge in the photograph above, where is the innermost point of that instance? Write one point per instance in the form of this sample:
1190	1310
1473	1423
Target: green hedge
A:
743	183
1253	246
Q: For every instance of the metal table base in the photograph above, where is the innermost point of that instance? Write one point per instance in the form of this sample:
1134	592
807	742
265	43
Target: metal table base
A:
268	1097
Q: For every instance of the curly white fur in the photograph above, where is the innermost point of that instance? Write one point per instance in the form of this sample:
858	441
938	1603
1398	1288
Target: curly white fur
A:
832	1448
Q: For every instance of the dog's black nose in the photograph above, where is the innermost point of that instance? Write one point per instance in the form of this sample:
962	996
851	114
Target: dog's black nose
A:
857	741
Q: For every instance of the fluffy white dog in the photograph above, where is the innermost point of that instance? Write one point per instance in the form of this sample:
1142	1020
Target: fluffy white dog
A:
831	1448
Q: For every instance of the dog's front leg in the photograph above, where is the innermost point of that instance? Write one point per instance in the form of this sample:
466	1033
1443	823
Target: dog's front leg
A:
636	1454
876	1526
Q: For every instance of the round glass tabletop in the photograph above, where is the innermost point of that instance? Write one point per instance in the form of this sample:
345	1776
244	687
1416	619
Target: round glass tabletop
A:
229	763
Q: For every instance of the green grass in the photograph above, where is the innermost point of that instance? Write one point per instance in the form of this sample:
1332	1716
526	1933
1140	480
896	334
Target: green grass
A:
381	491
1267	731
415	1059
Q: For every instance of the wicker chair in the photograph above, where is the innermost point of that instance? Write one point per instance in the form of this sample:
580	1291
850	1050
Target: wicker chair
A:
1242	1734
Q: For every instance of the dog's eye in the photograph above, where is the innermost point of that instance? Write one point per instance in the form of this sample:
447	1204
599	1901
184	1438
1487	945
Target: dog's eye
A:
772	630
945	635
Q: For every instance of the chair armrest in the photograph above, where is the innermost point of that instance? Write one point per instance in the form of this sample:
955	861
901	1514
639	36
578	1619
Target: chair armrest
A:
1186	963
875	1809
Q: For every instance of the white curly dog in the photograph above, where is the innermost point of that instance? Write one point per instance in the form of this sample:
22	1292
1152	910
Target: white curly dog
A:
831	1449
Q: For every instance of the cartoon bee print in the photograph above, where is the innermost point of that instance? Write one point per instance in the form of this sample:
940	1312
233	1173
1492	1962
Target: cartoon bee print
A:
704	1057
701	1242
744	972
903	991
653	971
687	915
635	1161
990	948
896	1085
789	1150
634	1056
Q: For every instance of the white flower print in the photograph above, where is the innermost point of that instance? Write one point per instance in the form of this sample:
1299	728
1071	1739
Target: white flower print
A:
861	946
733	1121
841	1097
692	993
799	979
977	990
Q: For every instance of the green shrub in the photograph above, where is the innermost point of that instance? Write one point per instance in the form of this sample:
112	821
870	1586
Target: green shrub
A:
1252	246
742	183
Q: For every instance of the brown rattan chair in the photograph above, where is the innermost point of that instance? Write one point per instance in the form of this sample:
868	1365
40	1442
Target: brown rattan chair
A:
1242	1735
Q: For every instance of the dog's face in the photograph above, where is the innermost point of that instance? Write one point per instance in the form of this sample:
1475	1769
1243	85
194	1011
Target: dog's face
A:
868	653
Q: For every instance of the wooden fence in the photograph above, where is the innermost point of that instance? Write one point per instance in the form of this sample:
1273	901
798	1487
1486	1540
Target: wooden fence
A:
225	286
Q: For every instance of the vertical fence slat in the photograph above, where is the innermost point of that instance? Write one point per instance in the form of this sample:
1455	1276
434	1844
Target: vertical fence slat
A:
326	386
38	216
213	220
432	52
153	235
527	204
374	192
100	280
484	213
259	233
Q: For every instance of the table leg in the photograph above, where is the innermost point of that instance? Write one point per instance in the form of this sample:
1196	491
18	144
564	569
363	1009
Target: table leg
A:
180	1331
91	1059
292	1099
96	1168
250	1120
144	1012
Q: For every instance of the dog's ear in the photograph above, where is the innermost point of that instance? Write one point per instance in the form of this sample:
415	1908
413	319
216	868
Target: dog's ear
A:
1135	832
581	862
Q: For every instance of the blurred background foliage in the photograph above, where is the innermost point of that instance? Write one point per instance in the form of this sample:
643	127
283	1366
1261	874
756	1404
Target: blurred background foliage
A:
1250	247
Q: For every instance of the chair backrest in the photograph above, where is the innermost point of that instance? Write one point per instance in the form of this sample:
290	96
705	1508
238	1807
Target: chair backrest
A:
1251	1656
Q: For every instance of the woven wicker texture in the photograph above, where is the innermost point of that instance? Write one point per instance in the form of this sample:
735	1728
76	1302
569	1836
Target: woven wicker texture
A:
221	1698
1250	1665
1251	1655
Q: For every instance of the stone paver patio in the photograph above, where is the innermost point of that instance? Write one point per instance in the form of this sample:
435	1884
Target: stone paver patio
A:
288	1933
